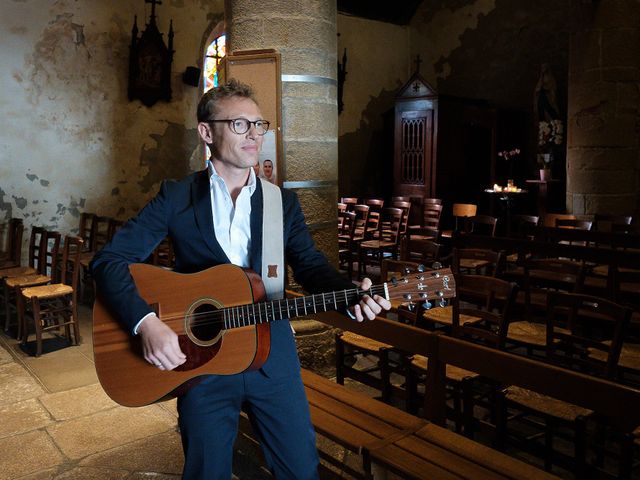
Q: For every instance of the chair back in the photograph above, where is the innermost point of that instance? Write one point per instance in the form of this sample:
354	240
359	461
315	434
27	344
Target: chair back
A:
163	254
390	224
400	198
549	219
406	211
70	268
347	227
85	228
431	201
349	201
460	212
523	226
482	225
15	233
494	263
603	222
342	207
49	250
577	324
36	247
362	218
99	235
573	223
488	299
431	215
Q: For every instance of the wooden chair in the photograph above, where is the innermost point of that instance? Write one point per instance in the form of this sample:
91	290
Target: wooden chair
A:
47	269
482	225
428	231
85	228
401	198
570	336
11	256
34	259
431	201
362	221
549	219
465	261
387	243
573	223
54	306
461	211
163	254
375	208
478	260
481	313
603	222
102	230
346	236
349	201
542	276
523	226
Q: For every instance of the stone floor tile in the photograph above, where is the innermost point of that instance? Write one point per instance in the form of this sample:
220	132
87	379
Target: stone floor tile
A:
104	430
61	370
21	417
157	454
77	402
91	473
153	476
5	356
28	453
17	385
48	474
170	406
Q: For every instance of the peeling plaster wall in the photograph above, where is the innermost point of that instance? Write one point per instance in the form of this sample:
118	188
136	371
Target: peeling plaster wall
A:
72	141
482	49
378	64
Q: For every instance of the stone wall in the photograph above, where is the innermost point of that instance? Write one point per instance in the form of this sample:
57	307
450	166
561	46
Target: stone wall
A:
72	141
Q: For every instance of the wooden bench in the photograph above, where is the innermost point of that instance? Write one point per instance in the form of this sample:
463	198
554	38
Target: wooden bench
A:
400	442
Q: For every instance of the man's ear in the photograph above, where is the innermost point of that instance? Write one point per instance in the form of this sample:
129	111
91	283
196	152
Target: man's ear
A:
205	132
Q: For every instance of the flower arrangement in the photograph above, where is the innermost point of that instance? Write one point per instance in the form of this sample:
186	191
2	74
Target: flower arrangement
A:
550	134
509	154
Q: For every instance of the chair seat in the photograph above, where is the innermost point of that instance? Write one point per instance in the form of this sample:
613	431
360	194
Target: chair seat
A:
444	315
470	263
629	355
544	404
17	272
377	244
528	332
27	280
362	342
452	372
85	259
46	291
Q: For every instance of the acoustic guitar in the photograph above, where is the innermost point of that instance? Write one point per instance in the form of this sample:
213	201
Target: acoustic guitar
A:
222	323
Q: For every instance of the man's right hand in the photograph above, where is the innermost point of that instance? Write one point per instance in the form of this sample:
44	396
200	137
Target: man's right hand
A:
160	344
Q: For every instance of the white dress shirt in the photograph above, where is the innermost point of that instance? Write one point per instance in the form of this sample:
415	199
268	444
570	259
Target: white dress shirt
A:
231	223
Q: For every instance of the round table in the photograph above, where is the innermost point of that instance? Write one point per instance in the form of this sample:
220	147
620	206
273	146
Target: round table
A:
507	196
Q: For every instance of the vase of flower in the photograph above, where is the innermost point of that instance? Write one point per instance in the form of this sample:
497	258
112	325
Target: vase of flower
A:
550	138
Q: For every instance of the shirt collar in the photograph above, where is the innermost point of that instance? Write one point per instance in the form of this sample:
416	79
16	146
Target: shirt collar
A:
213	175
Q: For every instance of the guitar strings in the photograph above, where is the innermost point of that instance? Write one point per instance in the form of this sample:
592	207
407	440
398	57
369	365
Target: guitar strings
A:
217	316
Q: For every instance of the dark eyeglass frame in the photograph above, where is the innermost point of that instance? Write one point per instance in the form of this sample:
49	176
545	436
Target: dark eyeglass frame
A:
248	123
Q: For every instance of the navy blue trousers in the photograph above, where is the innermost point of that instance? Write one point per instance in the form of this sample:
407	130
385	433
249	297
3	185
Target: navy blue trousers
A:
278	410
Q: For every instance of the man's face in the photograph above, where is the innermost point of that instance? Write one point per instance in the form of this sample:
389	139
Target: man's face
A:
229	148
267	168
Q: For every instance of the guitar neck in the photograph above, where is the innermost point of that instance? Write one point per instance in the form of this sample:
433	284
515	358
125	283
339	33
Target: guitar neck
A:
264	312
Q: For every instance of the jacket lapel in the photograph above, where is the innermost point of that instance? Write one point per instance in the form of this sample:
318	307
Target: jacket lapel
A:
201	198
256	228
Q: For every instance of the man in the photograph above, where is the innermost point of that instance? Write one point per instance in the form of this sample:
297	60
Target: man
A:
267	171
214	217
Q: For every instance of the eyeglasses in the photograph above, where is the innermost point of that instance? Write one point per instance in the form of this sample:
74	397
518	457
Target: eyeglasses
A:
242	125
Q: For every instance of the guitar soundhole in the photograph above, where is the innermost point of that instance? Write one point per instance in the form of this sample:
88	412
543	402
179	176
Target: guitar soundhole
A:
203	325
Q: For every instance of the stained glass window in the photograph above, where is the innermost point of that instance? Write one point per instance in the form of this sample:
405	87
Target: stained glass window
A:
215	52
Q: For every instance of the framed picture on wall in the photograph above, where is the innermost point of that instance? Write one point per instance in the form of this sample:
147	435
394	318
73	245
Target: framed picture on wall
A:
261	70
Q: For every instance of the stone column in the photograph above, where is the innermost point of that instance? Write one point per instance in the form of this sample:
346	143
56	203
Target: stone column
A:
603	161
305	35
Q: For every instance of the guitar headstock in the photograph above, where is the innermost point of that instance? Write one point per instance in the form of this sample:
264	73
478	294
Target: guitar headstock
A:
423	286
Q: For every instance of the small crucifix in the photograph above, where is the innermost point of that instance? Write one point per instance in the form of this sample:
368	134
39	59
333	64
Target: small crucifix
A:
153	7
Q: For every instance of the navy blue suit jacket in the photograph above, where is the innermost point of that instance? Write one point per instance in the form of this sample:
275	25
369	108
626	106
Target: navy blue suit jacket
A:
182	210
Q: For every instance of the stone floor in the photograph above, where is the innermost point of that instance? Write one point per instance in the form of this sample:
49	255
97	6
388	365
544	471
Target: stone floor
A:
57	423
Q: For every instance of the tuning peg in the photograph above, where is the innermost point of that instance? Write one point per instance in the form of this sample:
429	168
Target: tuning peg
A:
427	305
407	296
411	306
421	268
442	302
406	270
394	281
436	265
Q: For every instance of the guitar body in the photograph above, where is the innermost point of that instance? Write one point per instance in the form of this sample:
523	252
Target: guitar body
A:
180	300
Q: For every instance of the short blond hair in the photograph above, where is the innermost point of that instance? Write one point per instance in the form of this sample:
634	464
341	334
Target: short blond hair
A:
208	105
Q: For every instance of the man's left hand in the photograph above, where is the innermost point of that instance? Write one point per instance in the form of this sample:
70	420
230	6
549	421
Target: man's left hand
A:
369	307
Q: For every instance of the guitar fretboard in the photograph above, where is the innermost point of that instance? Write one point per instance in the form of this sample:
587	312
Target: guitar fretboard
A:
263	312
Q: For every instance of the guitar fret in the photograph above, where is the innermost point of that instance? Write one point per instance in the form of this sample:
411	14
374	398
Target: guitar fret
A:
324	304
346	300
273	311
304	304
335	302
295	304
280	308
313	301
